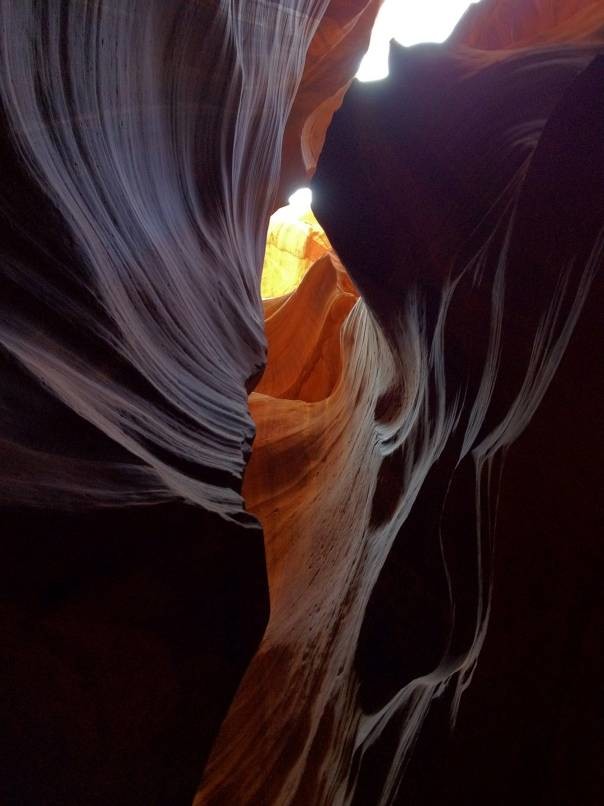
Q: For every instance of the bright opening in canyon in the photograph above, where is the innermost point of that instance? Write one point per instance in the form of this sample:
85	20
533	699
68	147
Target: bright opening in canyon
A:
295	240
410	23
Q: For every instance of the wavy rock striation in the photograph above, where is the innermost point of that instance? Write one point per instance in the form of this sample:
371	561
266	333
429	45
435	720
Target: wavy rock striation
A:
141	148
144	146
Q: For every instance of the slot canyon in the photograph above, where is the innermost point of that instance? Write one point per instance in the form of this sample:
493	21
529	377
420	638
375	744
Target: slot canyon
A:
301	502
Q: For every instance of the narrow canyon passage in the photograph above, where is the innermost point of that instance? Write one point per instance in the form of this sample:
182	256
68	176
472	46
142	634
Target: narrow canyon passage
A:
300	499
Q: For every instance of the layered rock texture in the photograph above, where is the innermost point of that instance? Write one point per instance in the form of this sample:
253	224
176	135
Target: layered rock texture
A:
336	546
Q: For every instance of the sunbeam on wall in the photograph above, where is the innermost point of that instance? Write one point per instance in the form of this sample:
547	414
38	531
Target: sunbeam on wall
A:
295	240
409	22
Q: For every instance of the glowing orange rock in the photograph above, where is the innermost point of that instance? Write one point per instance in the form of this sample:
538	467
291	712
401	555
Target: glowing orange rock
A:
295	240
503	24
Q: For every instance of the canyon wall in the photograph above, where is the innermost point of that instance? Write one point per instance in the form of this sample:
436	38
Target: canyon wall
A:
336	547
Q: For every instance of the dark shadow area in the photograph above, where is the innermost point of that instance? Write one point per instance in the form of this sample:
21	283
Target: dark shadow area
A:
408	618
125	635
529	729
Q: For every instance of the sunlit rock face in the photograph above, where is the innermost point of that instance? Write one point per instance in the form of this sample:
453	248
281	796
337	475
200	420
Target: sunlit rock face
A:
295	240
449	322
